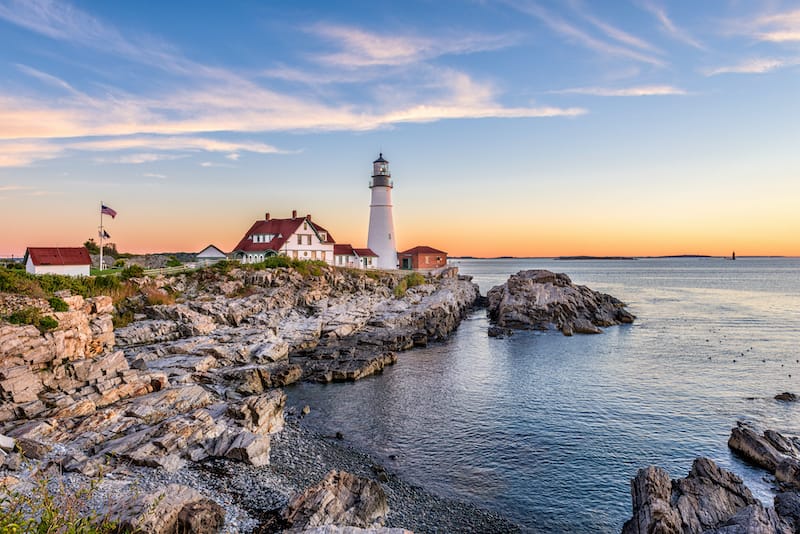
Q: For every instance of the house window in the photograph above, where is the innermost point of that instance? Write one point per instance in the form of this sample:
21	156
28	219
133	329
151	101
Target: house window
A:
305	226
313	254
299	239
323	236
305	253
308	239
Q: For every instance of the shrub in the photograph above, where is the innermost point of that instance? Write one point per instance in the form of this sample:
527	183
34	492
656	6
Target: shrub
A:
122	318
48	510
400	288
223	266
173	262
133	271
33	316
58	304
47	323
119	263
409	281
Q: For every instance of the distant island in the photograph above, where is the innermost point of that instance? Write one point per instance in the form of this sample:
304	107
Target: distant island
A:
594	258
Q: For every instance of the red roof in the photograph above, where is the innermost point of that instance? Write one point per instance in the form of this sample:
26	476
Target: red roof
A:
348	250
281	228
343	250
365	252
58	255
423	250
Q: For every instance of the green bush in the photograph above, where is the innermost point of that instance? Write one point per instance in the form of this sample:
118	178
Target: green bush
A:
119	263
173	262
47	323
409	281
33	316
134	271
58	304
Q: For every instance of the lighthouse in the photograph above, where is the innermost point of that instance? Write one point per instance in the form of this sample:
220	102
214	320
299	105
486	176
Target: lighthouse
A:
381	238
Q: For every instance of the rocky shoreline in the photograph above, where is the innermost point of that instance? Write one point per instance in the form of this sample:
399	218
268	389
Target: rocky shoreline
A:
181	412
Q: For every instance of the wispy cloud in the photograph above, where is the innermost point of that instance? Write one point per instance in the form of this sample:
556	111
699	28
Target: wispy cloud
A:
154	175
752	66
644	90
611	31
669	27
778	27
199	102
360	48
577	35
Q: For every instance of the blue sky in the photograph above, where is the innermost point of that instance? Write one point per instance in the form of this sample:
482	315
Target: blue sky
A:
513	127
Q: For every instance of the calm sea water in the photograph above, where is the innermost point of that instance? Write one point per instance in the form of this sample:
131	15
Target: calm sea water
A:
550	429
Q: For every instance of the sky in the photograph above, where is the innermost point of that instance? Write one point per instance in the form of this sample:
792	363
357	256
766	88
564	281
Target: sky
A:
512	127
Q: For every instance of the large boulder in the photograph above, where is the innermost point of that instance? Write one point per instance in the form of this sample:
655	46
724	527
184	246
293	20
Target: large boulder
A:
340	499
543	300
171	509
708	500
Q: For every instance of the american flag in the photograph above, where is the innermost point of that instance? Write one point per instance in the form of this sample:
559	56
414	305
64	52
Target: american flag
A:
107	211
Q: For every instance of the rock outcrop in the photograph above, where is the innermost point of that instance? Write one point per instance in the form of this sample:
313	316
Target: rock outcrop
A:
708	500
712	500
174	508
542	300
197	379
340	499
771	450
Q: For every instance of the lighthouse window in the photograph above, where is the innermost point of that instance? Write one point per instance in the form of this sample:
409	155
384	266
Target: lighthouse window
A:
390	236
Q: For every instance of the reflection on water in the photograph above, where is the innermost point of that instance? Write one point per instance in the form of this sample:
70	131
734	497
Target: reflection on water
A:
550	429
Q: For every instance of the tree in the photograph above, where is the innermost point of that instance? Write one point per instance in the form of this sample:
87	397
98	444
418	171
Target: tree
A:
92	247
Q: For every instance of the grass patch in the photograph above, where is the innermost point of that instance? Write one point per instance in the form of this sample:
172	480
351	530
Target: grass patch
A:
154	296
409	281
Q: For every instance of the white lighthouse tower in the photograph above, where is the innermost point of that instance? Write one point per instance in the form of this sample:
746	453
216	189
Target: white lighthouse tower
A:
381	238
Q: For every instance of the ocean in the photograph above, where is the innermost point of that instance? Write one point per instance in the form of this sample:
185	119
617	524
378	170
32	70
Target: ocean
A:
549	429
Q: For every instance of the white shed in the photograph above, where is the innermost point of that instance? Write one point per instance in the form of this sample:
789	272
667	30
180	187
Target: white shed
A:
210	254
69	261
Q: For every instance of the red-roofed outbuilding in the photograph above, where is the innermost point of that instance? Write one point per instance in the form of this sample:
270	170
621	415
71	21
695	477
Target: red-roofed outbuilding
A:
70	261
358	258
422	258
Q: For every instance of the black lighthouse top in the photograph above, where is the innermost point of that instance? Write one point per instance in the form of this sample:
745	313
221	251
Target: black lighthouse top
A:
380	173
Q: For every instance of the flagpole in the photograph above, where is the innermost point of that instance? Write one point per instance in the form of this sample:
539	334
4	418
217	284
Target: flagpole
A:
101	235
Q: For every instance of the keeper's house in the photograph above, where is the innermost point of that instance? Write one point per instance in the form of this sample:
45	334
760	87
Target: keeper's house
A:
422	258
296	237
70	261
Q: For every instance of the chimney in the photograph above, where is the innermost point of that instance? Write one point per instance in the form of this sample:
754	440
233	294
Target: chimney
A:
266	216
308	217
294	214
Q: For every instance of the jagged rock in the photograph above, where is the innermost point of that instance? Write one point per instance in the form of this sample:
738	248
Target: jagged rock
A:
786	397
787	505
543	300
32	449
767	451
709	499
174	508
339	499
498	331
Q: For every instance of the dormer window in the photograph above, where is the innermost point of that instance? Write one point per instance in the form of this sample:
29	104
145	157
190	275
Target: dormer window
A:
323	236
